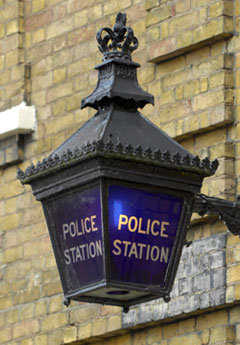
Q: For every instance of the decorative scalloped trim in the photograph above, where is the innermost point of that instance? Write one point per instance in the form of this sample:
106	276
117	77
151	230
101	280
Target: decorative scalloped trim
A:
110	150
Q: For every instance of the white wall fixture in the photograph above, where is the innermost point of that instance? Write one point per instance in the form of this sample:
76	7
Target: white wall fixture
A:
17	120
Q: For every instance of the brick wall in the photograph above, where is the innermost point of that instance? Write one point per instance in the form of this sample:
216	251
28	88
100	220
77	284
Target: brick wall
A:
194	73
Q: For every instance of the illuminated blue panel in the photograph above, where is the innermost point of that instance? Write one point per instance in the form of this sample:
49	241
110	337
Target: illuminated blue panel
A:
142	229
78	230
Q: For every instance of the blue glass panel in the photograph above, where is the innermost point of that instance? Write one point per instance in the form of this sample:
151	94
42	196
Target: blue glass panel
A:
142	229
78	229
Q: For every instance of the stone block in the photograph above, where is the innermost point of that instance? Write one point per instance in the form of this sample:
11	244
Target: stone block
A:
53	321
6	334
233	274
157	15
211	320
70	334
23	328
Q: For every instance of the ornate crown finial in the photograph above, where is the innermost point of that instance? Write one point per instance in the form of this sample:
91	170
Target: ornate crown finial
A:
119	42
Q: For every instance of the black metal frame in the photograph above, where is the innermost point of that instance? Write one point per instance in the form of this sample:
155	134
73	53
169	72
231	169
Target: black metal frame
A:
226	210
104	172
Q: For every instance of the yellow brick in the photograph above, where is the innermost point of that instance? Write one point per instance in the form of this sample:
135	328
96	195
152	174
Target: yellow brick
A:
218	47
157	15
26	296
140	338
207	100
179	127
38	5
84	331
2	61
221	79
216	9
41	339
182	6
186	340
81	66
55	304
57	28
81	18
99	327
74	102
84	81
179	92
184	40
191	124
223	149
164	29
205	336
114	323
59	91
40	307
6	334
169	67
54	321
12	27
70	334
204	119
167	97
203	15
4	77
28	39
221	186
146	75
10	205
220	8
233	274
208	139
125	339
174	111
58	107
219	334
55	337
12	316
192	88
12	254
38	36
59	75
151	4
9	12
237	292
24	328
26	311
2	319
211	320
95	12
213	28
153	34
204	84
11	59
2	30
155	335
10	221
175	78
183	22
83	314
111	7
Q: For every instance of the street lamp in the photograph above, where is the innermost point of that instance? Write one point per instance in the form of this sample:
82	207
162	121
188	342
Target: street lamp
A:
118	195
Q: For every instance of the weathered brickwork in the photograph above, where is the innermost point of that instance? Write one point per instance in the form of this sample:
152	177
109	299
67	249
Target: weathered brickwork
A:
175	27
11	53
47	56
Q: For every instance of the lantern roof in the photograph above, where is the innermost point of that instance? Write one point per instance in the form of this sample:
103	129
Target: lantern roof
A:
118	130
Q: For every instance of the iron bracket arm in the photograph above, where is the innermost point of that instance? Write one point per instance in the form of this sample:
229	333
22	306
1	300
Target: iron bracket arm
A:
228	211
